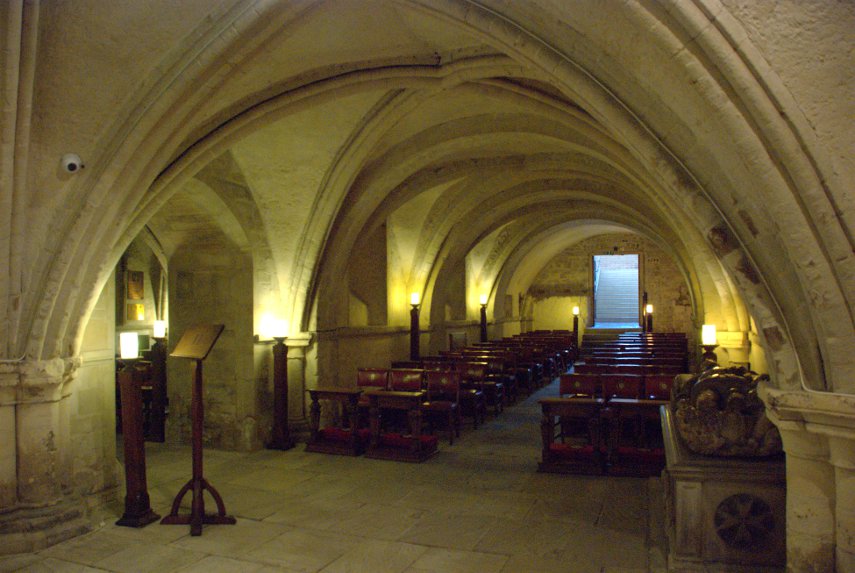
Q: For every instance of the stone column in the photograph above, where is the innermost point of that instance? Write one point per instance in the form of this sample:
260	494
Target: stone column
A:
297	345
36	457
810	500
842	450
818	431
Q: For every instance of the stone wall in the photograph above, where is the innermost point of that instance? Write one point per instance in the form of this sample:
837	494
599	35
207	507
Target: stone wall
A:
567	280
213	285
92	403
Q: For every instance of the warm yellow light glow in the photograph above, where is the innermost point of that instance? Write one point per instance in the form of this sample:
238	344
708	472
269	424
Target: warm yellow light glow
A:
272	327
129	345
708	336
415	298
649	309
483	299
575	311
159	329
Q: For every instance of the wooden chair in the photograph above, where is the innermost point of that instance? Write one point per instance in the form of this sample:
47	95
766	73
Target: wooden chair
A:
369	379
443	388
582	456
621	386
473	391
580	384
343	439
658	386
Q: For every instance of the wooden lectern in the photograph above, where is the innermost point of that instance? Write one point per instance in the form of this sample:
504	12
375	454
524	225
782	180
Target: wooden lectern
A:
197	343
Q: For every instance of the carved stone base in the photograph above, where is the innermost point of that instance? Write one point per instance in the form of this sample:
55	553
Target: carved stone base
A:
31	530
722	513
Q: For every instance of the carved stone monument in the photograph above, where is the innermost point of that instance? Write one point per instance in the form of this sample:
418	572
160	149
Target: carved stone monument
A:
718	413
724	478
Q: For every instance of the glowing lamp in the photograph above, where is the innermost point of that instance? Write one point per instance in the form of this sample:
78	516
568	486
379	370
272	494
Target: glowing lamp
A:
415	299
575	311
159	329
708	336
483	299
129	345
648	309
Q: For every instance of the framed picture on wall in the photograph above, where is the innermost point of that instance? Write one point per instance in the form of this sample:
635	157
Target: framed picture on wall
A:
136	312
136	285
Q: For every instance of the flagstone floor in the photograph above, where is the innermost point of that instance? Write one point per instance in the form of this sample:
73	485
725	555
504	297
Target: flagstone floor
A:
478	506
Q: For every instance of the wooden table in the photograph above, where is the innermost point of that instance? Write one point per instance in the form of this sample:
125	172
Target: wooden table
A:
639	459
416	448
590	459
349	399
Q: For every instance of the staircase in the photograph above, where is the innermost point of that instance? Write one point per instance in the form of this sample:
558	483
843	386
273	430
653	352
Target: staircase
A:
617	297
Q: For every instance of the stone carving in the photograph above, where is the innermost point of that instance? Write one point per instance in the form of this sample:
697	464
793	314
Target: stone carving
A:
718	413
744	521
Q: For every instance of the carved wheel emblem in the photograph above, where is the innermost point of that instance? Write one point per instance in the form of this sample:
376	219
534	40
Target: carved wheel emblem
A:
744	521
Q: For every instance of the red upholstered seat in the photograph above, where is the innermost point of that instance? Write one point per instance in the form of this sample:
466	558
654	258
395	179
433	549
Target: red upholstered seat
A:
583	384
571	452
333	433
406	380
372	378
444	399
658	386
395	440
621	385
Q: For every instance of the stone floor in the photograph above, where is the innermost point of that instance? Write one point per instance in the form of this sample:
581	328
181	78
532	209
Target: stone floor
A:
478	506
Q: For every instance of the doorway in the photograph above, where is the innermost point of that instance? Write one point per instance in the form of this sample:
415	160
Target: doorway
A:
616	291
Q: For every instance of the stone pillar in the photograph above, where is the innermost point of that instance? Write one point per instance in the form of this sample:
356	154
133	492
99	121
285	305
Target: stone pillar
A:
36	457
810	500
842	452
297	345
818	432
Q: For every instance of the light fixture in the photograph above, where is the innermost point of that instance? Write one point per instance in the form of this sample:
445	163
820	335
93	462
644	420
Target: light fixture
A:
483	324
414	326
709	342
129	345
648	309
159	329
708	336
575	311
576	325
279	328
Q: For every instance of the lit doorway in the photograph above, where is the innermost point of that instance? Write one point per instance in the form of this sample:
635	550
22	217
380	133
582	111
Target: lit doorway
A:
616	291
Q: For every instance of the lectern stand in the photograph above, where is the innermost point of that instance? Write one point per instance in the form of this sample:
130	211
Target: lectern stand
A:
196	343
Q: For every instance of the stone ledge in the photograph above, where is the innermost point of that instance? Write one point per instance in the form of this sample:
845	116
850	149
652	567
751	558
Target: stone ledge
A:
26	530
826	413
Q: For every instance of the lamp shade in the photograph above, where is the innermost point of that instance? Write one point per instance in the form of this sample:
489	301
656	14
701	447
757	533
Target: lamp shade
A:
129	345
708	336
575	311
483	299
648	309
159	329
415	298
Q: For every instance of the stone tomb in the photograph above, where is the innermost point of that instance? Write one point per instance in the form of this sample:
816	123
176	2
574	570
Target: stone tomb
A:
722	512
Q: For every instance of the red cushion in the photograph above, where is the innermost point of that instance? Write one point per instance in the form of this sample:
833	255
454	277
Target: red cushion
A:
394	440
655	455
571	452
335	434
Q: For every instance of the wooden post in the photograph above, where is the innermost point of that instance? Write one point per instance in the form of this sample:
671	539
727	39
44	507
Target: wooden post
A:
281	439
414	332
138	512
157	424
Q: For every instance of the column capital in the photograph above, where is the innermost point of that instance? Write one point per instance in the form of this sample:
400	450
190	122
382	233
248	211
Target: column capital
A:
31	381
299	340
829	413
